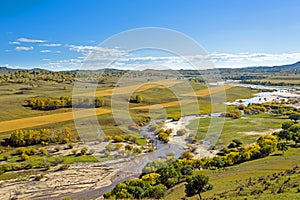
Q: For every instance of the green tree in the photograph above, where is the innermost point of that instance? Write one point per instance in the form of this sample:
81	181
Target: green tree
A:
282	146
169	176
83	151
187	155
24	157
139	99
99	102
295	128
156	192
294	117
181	132
286	125
44	151
296	137
196	185
234	114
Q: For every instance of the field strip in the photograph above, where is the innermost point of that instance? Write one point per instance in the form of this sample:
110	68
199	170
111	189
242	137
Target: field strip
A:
133	88
204	92
165	105
209	91
48	119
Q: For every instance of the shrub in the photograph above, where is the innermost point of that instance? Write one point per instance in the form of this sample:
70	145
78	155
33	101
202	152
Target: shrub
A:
43	151
24	157
234	114
128	147
137	150
39	177
295	128
70	146
58	160
187	155
83	151
181	132
63	167
162	136
119	145
20	151
118	138
286	125
74	151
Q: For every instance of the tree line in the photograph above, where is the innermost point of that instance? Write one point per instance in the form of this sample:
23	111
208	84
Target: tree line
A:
48	103
42	136
275	108
290	133
154	185
268	83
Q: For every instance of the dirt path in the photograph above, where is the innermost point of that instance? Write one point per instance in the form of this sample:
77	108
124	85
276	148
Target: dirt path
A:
266	132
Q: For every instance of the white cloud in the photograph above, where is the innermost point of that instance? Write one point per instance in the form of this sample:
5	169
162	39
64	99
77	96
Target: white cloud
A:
96	49
15	42
21	48
101	57
253	59
50	45
45	51
218	60
30	40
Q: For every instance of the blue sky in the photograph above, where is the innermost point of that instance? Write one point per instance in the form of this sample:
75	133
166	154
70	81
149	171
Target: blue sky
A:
56	34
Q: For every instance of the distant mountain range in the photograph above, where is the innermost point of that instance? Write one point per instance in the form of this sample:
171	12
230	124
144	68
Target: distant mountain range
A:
288	67
279	67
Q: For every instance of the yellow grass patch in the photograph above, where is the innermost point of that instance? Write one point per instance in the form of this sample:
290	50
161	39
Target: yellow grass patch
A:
49	119
164	105
133	88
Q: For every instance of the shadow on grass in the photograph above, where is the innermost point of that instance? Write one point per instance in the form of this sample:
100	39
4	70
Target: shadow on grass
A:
277	154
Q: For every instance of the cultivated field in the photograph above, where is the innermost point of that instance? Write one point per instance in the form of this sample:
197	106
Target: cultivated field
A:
48	119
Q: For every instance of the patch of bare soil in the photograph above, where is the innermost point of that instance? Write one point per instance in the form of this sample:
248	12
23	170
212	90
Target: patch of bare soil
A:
78	177
267	132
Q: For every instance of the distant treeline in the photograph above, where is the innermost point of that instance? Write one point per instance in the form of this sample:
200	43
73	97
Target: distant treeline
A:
48	103
27	76
269	83
244	77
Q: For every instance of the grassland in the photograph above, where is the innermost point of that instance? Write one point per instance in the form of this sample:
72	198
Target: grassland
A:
209	91
246	129
227	179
